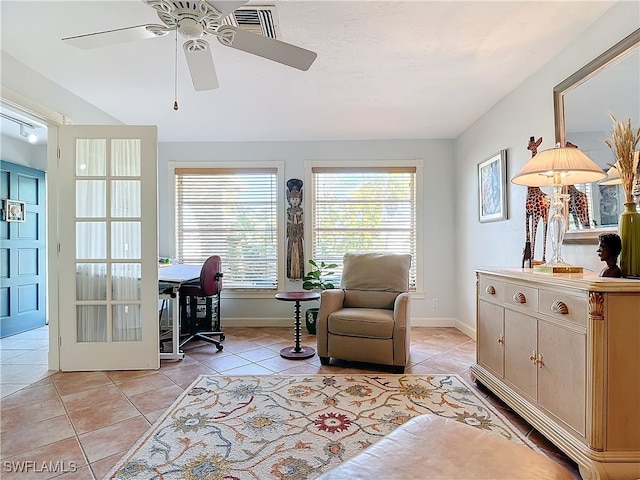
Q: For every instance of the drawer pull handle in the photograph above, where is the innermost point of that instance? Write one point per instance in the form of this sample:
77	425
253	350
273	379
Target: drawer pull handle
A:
539	361
533	357
490	290
560	307
519	297
501	339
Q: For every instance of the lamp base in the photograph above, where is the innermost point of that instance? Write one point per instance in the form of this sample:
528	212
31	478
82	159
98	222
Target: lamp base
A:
549	268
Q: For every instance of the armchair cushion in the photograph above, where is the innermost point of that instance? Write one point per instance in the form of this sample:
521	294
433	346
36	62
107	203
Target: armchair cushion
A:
362	322
376	271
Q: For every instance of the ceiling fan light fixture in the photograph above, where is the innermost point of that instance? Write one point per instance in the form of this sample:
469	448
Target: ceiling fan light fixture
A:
190	28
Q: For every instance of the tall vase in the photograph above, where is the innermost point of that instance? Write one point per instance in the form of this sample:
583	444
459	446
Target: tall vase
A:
629	229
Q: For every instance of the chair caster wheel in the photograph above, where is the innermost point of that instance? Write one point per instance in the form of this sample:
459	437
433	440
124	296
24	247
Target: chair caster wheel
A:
220	347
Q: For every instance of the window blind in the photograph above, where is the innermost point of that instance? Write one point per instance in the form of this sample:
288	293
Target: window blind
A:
231	213
364	210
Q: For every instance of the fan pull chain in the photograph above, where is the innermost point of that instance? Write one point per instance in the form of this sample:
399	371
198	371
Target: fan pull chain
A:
175	80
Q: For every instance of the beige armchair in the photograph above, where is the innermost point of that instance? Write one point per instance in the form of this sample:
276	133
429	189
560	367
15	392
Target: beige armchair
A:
367	319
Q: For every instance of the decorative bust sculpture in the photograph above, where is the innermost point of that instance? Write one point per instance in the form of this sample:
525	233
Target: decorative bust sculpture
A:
609	247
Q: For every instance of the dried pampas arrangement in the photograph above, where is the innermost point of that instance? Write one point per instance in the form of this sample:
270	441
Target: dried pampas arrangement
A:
623	144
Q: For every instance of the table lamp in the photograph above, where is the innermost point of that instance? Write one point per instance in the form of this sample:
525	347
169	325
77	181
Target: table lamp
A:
556	168
612	178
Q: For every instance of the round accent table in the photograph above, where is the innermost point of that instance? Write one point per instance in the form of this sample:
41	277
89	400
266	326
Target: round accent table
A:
297	352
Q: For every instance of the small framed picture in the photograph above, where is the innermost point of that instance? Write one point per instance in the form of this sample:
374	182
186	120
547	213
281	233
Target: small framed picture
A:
492	188
14	211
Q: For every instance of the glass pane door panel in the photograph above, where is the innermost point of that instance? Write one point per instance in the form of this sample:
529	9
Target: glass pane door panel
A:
125	155
91	157
91	323
126	281
91	281
91	199
91	240
125	240
127	326
108	183
125	198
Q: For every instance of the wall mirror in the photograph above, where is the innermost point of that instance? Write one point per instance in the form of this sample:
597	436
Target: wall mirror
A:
582	103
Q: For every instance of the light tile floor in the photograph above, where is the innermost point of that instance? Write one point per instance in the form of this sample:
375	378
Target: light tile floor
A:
81	423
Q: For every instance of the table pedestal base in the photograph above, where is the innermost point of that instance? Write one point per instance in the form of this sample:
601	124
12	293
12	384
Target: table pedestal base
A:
290	352
297	351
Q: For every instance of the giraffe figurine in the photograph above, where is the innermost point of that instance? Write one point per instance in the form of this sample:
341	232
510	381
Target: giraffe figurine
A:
537	207
578	203
579	207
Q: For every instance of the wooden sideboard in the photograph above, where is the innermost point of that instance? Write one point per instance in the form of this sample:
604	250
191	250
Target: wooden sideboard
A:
563	351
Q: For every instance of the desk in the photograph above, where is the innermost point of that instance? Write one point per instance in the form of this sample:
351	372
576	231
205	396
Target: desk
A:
297	352
176	275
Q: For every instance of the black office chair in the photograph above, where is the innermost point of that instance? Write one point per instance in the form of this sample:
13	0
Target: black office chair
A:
207	288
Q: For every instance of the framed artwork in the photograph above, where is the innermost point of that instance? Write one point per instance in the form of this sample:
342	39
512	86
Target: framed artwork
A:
14	211
492	188
611	203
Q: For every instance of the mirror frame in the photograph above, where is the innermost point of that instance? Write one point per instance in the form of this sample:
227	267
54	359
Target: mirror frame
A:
624	46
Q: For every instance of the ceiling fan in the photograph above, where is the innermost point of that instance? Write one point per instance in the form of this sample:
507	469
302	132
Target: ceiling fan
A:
196	20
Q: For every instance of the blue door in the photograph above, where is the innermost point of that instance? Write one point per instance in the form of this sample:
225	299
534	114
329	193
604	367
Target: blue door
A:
22	250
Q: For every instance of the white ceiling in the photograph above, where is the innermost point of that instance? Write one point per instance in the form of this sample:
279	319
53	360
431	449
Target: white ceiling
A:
385	70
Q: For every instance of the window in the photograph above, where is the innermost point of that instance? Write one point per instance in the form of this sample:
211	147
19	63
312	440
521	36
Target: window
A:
231	213
369	209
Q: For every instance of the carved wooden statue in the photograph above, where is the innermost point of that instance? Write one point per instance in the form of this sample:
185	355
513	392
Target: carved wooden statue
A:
295	230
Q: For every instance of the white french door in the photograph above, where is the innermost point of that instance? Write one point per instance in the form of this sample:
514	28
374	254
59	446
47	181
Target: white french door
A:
108	248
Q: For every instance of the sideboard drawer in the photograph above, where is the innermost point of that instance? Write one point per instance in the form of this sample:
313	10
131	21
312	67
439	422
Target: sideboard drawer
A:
491	288
565	307
521	296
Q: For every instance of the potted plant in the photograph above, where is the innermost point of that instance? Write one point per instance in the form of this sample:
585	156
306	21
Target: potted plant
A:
316	279
623	143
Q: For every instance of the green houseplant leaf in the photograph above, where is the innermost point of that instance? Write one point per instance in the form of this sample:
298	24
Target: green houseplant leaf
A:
316	278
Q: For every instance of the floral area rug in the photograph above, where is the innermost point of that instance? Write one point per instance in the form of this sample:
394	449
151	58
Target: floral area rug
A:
293	426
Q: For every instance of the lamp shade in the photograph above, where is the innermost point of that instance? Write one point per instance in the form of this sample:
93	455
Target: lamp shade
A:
613	177
558	166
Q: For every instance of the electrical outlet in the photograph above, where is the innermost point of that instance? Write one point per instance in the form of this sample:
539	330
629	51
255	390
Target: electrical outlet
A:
434	303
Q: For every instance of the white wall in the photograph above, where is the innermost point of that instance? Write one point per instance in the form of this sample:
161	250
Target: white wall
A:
527	111
438	275
23	153
18	78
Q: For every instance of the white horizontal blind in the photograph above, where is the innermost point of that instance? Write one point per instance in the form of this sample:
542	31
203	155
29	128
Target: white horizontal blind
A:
364	210
231	213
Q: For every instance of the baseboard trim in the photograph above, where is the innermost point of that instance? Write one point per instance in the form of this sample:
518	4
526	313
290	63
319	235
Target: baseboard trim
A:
286	322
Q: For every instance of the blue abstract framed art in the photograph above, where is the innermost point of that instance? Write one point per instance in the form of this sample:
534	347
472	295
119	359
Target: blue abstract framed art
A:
492	188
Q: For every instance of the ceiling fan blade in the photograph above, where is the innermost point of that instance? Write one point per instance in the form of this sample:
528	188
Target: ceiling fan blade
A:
265	47
112	37
200	62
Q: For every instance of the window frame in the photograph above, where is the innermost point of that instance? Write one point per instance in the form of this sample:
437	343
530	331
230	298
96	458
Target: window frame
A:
278	165
309	204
